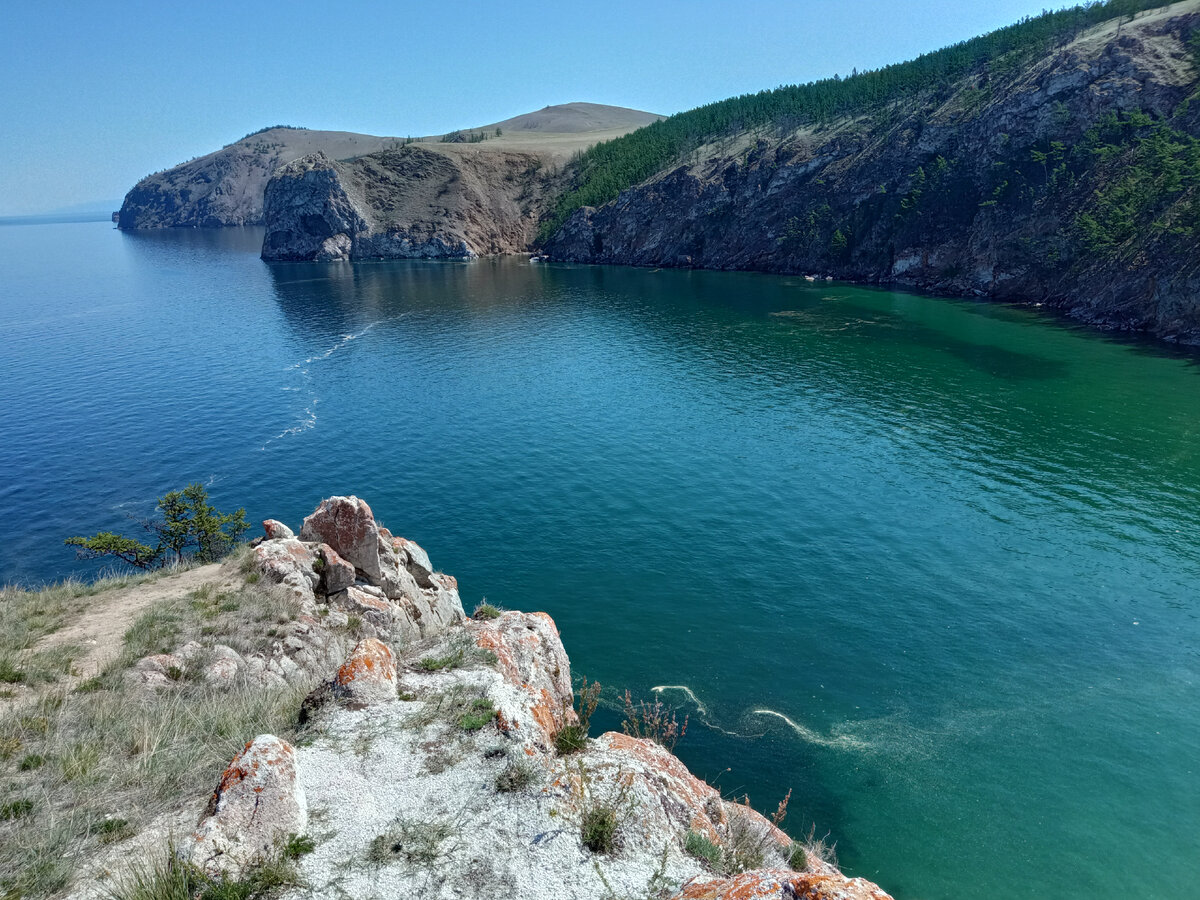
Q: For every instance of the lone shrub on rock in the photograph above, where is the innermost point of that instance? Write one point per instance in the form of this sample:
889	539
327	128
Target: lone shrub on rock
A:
190	526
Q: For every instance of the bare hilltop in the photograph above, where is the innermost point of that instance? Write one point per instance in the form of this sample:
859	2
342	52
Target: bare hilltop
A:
226	187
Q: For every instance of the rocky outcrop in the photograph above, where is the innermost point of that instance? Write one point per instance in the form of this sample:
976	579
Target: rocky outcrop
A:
226	187
437	201
1039	181
257	805
433	759
345	571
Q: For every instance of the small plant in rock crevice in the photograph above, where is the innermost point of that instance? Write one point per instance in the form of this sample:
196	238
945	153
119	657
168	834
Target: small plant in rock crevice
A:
485	610
572	737
699	847
602	815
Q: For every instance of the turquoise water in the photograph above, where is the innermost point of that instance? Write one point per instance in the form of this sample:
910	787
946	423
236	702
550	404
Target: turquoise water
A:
931	564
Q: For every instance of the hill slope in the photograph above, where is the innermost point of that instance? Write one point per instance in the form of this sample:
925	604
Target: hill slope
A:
1056	161
227	187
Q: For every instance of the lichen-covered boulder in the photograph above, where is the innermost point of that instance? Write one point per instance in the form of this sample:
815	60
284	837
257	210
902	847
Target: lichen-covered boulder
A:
348	526
336	573
276	530
368	676
531	659
781	884
289	562
257	804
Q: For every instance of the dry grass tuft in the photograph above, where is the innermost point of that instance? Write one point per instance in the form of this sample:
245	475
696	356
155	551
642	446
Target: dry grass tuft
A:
89	768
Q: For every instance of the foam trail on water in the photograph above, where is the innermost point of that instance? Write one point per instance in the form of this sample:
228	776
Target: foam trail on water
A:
700	707
840	741
309	421
342	342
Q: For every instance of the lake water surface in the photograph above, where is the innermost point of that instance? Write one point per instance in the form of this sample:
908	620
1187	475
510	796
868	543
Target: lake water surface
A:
931	564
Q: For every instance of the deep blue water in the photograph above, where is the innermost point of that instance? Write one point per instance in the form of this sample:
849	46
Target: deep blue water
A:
954	544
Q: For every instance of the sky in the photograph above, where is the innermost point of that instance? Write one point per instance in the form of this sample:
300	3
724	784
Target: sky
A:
95	95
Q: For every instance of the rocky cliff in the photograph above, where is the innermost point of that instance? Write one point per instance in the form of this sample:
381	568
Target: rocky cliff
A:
440	201
226	187
430	758
1069	178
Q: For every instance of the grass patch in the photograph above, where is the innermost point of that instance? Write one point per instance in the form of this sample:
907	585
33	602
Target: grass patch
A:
106	759
482	713
699	847
517	774
461	652
174	879
485	610
114	830
418	841
15	809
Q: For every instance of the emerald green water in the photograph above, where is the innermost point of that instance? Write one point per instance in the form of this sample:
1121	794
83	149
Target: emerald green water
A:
931	564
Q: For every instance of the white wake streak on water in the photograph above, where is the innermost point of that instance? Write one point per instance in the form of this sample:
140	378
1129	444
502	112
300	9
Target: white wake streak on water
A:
700	707
308	418
838	741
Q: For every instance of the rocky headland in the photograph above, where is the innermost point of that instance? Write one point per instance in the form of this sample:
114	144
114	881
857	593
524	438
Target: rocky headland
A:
416	751
228	187
1069	179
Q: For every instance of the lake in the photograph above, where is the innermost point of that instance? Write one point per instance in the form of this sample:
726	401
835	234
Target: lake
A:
929	563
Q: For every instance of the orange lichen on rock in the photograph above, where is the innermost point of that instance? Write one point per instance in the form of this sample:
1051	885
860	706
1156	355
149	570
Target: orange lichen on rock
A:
774	884
368	675
258	801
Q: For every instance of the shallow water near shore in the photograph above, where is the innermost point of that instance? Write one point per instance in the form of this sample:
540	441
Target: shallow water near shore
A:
931	564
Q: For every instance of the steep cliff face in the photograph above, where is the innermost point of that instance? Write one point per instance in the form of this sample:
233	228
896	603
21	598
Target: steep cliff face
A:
1072	179
433	202
226	187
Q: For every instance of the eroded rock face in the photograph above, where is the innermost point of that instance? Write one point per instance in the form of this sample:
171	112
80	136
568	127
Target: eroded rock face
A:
530	656
368	676
257	804
428	202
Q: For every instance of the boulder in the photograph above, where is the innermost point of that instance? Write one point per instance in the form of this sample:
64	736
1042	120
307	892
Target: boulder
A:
368	676
157	671
336	573
258	803
348	526
289	562
276	530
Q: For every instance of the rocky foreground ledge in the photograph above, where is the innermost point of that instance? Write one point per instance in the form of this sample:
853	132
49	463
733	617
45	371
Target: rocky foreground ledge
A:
429	765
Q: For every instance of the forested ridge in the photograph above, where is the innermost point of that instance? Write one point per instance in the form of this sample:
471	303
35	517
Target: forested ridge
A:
608	168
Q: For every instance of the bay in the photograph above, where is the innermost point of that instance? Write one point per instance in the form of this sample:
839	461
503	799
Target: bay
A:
929	563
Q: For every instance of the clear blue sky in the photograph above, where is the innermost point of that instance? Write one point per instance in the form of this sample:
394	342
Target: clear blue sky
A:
96	95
